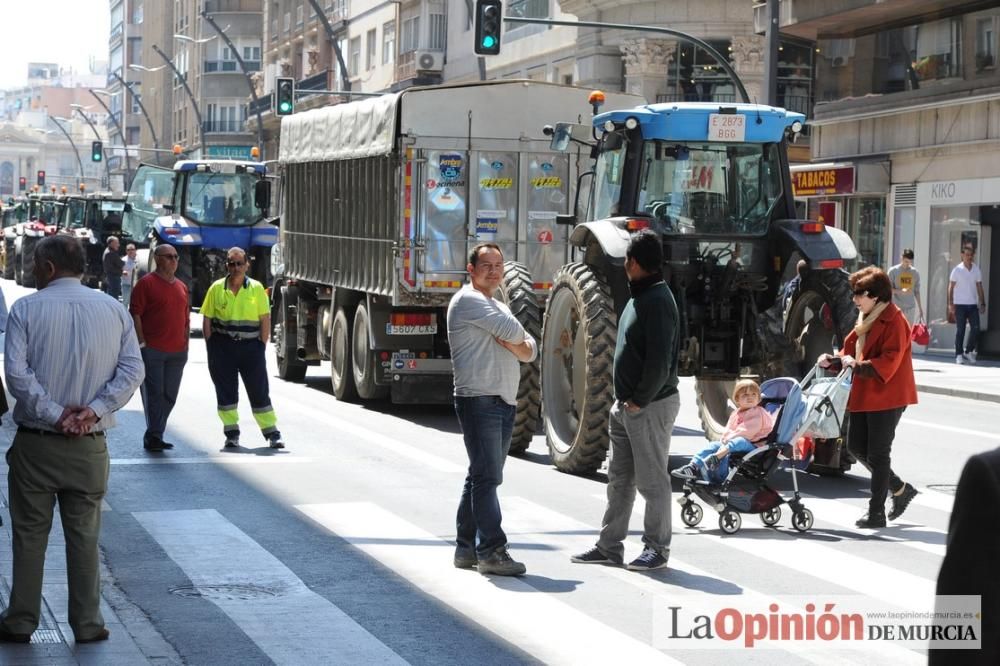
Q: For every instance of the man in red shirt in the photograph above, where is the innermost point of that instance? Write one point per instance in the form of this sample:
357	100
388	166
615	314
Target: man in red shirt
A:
161	312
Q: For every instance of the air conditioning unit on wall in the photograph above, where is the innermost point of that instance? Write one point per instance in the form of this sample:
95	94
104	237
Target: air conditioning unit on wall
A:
429	61
838	61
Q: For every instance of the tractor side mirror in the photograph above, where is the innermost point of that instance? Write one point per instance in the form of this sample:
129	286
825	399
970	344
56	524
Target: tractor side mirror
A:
262	194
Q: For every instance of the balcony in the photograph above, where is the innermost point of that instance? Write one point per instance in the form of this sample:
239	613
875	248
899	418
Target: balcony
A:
210	66
263	105
722	98
406	66
320	81
223	126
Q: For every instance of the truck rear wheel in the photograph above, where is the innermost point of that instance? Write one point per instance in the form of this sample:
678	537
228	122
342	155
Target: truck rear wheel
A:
341	368
283	326
363	360
518	294
578	343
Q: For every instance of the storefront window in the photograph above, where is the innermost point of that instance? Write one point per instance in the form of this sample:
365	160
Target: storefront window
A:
903	232
952	228
867	228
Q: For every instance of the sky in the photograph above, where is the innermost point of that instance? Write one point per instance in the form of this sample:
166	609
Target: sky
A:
66	32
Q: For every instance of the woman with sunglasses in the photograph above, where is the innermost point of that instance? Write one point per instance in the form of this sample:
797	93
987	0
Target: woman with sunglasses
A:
879	351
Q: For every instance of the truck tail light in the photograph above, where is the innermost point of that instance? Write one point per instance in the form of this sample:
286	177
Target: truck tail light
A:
172	231
411	319
812	227
831	263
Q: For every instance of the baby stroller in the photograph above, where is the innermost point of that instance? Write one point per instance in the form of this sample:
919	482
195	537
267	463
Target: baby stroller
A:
812	408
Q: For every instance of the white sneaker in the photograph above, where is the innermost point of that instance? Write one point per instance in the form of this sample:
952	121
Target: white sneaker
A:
960	360
970	357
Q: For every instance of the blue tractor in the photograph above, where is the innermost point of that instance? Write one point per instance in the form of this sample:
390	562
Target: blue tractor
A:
203	208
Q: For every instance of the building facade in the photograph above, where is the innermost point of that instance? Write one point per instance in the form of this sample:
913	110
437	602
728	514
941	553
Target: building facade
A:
910	93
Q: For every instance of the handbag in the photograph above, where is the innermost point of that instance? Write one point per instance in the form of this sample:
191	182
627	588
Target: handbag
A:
920	334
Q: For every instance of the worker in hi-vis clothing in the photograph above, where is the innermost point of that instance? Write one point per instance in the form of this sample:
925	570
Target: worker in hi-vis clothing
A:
237	322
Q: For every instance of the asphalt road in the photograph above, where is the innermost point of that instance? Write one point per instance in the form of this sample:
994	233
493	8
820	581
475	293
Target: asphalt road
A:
336	550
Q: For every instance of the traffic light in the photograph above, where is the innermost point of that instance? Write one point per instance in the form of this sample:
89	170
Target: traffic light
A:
41	178
285	95
96	151
22	183
488	14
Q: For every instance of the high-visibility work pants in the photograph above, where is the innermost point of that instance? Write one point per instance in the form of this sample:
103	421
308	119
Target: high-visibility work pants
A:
229	360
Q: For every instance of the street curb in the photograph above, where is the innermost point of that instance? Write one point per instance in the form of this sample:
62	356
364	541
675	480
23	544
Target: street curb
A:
959	393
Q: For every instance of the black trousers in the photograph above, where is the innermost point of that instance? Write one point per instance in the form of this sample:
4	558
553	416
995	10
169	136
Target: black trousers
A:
869	437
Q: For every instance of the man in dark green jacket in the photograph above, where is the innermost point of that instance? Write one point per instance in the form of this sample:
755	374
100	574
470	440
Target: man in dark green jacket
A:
642	416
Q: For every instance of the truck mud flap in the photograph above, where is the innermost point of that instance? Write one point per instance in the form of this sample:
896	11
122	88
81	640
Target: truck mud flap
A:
422	389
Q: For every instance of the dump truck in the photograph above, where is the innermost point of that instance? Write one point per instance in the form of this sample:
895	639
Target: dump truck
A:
712	181
383	198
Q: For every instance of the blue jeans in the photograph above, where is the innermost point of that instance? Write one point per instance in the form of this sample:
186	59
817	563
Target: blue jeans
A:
487	424
736	445
965	313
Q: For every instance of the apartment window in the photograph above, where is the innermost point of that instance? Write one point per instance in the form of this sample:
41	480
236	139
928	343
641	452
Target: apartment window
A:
354	63
411	35
371	48
137	13
530	9
388	42
986	44
136	98
251	54
288	21
298	15
438	37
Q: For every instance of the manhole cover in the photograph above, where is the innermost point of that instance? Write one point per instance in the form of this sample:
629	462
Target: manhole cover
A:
943	487
225	592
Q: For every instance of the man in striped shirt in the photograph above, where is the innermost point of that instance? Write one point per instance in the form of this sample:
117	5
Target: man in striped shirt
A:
71	361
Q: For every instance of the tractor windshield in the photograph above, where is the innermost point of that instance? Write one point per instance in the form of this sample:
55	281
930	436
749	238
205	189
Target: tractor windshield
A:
221	198
710	188
75	213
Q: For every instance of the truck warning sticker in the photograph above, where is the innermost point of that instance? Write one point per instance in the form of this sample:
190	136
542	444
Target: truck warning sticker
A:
546	182
496	183
450	166
544	236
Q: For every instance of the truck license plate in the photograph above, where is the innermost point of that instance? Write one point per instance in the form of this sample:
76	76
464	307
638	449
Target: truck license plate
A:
411	329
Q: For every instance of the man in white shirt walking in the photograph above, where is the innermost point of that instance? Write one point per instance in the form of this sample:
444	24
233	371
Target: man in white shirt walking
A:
966	301
487	345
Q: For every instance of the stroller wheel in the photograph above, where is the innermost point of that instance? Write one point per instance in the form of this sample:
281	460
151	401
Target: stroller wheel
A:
691	514
771	516
730	521
802	520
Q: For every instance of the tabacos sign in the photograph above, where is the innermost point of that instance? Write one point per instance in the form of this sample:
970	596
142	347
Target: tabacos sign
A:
823	181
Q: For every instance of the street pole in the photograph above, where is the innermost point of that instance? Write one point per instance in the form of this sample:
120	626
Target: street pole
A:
246	74
771	38
332	36
187	89
118	127
107	167
71	143
142	107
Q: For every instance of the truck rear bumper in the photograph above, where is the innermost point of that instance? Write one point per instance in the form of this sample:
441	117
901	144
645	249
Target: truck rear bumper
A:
436	389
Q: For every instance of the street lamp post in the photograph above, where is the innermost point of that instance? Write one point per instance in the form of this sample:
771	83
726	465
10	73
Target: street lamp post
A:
246	74
187	89
138	100
107	167
118	128
71	143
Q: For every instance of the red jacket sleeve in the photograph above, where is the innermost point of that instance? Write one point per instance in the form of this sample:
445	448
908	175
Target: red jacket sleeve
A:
889	354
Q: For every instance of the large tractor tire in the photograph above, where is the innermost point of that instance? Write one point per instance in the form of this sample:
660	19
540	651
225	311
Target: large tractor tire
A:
578	345
284	301
27	260
8	266
712	396
517	292
363	361
17	262
341	367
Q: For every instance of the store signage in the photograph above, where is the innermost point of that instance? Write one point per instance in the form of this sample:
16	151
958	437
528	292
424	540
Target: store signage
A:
232	152
825	181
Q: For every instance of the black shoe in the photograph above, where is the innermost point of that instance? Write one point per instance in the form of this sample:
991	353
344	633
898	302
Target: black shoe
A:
275	441
595	556
649	559
500	563
687	472
901	501
465	559
8	637
101	635
166	445
869	521
152	444
232	442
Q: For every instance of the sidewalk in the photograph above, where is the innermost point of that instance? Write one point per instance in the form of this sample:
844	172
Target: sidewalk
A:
941	375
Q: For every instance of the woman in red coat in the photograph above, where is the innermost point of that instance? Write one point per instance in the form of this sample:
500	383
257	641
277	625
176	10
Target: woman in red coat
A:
879	351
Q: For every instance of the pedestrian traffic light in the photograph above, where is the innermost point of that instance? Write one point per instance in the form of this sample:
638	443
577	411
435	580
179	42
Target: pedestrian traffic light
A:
488	14
22	183
96	151
41	178
285	95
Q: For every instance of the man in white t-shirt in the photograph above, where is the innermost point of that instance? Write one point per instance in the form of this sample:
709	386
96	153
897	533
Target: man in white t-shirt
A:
966	301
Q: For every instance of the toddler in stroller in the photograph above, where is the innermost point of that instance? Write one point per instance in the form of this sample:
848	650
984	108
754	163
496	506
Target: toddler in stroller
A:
748	425
814	407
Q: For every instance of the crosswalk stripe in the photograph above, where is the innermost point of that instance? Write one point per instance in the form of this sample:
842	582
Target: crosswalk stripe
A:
531	522
868	577
365	434
978	434
283	618
842	515
933	499
510	608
